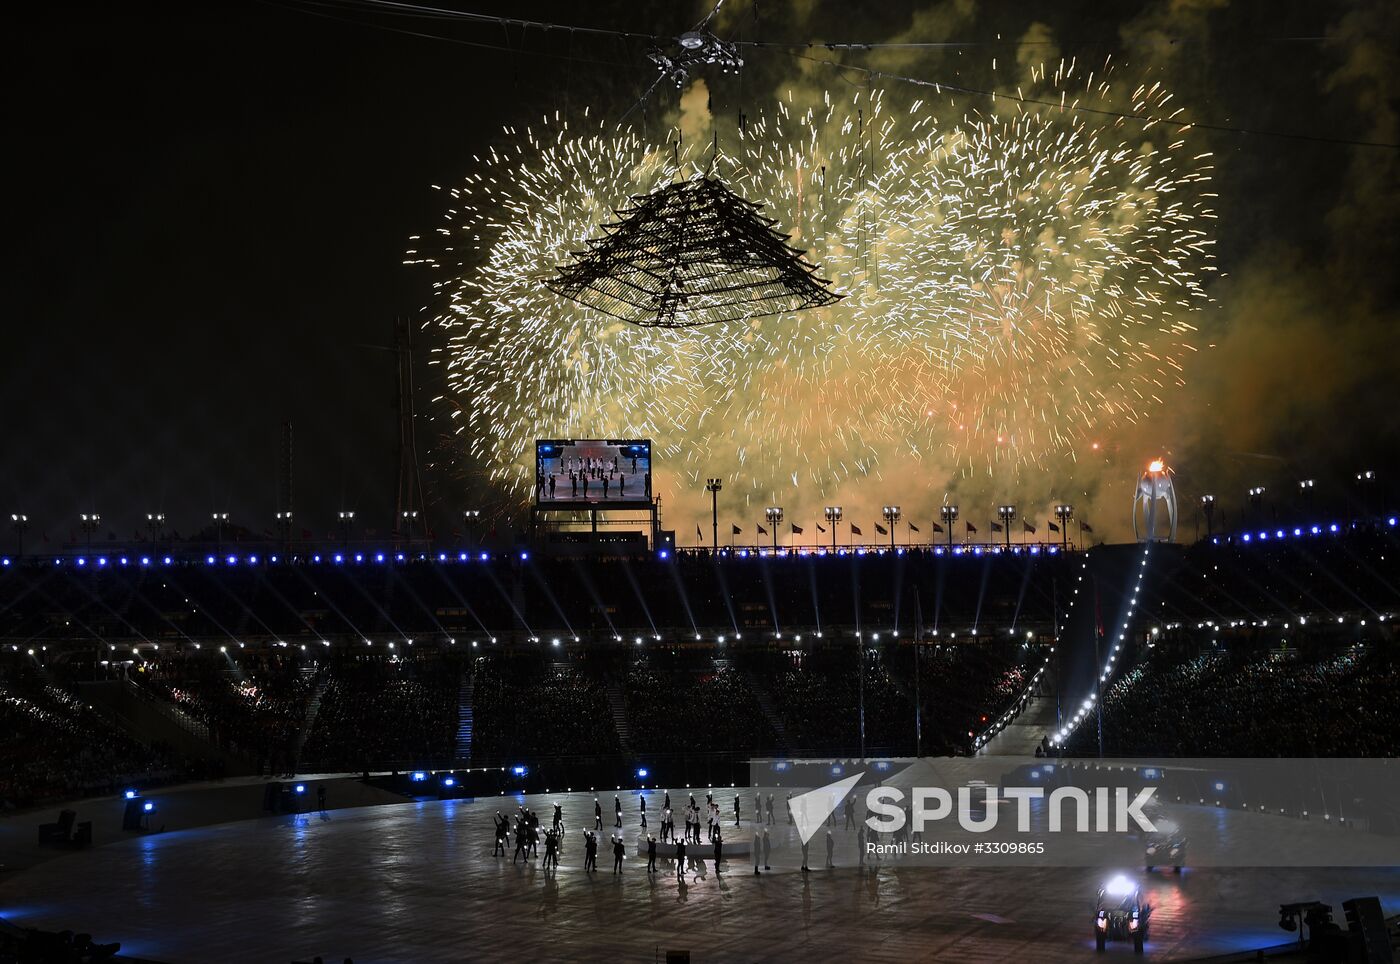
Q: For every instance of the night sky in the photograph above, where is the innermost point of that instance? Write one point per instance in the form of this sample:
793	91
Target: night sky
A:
210	203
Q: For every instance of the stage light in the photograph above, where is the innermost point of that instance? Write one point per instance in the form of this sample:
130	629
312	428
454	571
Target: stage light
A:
130	794
664	554
149	807
449	781
301	788
418	776
525	555
519	771
641	773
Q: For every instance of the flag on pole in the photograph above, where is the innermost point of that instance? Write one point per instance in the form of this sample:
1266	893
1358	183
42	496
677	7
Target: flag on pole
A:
972	529
698	533
762	531
820	527
937	527
1085	527
996	526
1029	528
1053	527
796	529
736	530
855	531
881	529
913	528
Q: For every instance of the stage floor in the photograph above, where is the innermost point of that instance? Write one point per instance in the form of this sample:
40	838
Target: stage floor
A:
418	882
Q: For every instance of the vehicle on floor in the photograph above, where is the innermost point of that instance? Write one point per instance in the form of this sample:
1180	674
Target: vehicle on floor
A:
1121	914
1165	848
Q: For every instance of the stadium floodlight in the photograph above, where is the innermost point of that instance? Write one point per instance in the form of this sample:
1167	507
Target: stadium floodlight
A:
1007	514
833	518
774	515
949	515
1064	512
19	522
891	514
713	486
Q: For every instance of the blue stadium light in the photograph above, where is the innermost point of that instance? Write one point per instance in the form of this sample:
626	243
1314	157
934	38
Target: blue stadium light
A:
379	557
232	560
123	560
780	765
1315	530
1246	537
1297	532
882	765
252	560
167	560
449	781
836	771
1279	534
398	556
316	558
82	561
1333	527
462	557
301	788
418	776
442	557
664	554
484	557
1219	787
524	556
1390	522
5	561
642	773
1264	536
148	806
145	560
519	771
102	560
273	558
130	794
338	558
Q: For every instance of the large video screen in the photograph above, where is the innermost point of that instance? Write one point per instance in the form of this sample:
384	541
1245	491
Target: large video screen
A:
592	471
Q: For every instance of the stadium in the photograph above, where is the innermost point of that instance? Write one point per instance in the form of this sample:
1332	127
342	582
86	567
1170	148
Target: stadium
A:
912	475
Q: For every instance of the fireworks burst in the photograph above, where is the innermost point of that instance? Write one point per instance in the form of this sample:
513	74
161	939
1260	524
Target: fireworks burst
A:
1019	279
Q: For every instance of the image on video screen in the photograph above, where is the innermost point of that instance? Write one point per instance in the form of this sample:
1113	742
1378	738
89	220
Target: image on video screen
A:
591	471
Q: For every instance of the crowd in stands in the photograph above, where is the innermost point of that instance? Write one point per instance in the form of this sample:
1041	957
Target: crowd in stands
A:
675	705
526	708
54	746
378	710
1250	702
254	707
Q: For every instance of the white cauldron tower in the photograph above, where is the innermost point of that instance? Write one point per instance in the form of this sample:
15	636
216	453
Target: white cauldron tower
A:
1154	485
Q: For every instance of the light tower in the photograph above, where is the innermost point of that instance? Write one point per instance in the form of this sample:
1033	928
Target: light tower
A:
1007	514
220	520
20	522
774	515
155	521
1154	484
833	519
347	520
713	487
91	521
949	515
1208	510
1256	501
891	514
1064	512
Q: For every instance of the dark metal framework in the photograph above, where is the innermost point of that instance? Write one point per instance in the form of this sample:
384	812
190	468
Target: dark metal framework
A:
691	253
